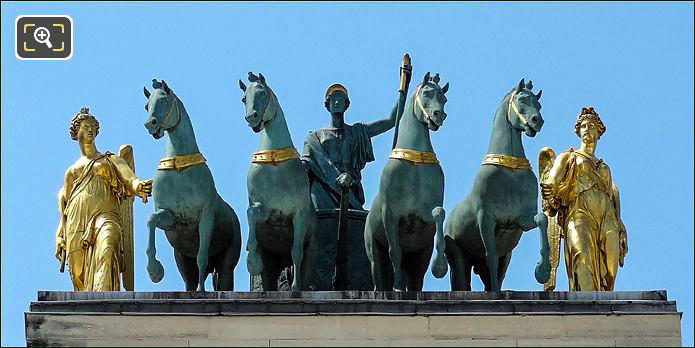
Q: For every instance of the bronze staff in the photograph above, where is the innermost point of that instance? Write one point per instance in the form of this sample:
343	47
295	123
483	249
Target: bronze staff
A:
406	72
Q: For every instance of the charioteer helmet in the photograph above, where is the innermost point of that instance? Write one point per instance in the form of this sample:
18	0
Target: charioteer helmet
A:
336	87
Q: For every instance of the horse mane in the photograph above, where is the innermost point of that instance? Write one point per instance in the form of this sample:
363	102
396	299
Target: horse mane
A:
497	112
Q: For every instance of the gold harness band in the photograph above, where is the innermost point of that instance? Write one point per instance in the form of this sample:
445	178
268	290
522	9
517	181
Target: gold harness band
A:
181	162
507	161
417	157
274	156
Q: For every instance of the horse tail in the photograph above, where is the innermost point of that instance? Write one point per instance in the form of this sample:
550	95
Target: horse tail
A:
440	265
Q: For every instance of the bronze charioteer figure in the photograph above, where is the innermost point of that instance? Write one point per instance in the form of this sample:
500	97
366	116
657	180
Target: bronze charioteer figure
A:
335	156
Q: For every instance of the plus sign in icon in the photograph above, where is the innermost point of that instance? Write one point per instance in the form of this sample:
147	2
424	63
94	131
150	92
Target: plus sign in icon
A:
43	37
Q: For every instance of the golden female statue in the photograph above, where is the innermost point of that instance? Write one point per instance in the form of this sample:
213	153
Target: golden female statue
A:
95	231
584	206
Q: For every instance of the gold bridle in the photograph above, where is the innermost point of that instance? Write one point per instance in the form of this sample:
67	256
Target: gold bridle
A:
418	102
512	106
171	110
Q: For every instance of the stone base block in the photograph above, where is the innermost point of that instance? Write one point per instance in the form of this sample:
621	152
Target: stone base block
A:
353	318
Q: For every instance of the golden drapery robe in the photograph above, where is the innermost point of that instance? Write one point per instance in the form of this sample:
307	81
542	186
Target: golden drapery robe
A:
93	228
592	227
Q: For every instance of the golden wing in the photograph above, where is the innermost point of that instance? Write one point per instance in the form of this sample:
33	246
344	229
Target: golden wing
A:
545	162
126	153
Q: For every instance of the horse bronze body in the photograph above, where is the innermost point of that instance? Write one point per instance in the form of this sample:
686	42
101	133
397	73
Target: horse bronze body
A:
281	215
407	212
482	231
203	229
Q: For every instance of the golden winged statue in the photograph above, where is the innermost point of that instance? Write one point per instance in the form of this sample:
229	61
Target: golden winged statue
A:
583	208
545	162
95	233
126	208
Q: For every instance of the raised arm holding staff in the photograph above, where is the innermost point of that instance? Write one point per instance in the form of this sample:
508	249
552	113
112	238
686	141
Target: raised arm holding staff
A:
337	153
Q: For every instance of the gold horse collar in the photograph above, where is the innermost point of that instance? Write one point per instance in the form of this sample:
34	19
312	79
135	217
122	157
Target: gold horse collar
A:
181	162
417	157
274	156
507	161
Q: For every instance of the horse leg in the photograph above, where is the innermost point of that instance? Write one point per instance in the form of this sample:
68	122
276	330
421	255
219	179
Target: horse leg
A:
439	266
486	226
224	269
310	256
417	268
160	219
386	267
255	213
390	222
542	271
271	269
460	267
299	223
372	248
409	268
484	274
188	269
227	223
205	225
503	264
528	221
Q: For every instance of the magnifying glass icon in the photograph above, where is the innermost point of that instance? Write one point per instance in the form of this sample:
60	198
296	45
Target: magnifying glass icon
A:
42	35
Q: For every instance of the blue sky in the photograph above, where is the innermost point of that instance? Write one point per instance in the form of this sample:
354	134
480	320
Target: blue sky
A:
632	61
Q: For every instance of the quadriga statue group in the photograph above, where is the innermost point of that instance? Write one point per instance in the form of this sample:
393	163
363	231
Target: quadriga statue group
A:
307	227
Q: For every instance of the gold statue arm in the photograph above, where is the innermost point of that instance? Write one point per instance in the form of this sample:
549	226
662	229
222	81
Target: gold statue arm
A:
558	171
135	186
60	232
62	202
615	197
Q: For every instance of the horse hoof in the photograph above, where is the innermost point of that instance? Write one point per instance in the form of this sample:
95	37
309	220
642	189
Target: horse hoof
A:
254	264
155	270
438	214
439	267
542	272
399	286
201	288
